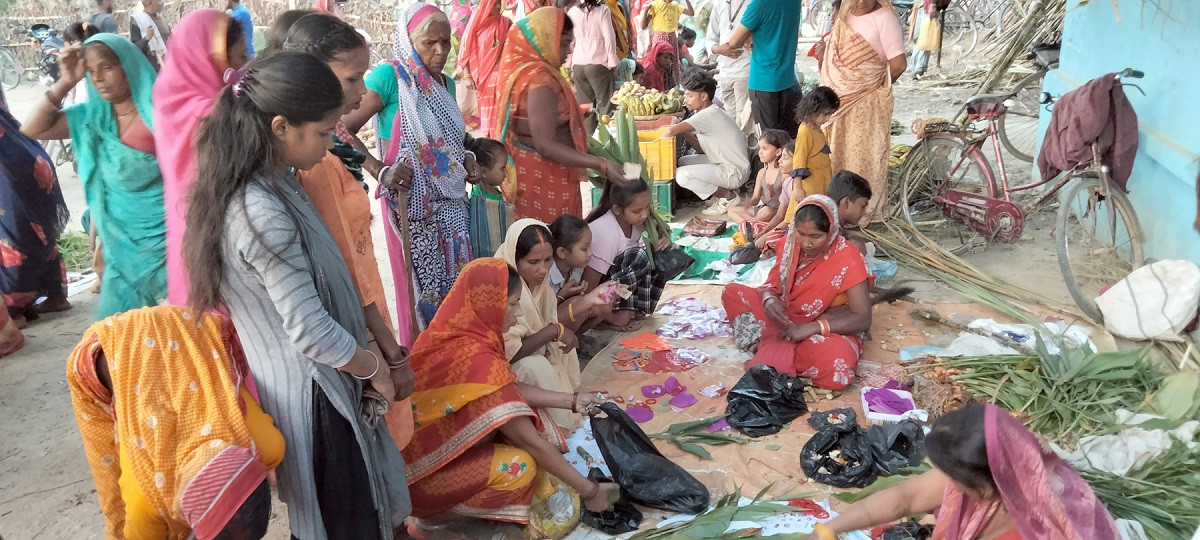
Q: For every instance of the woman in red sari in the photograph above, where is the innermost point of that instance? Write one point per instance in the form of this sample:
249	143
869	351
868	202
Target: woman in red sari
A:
992	480
539	122
815	305
479	56
480	435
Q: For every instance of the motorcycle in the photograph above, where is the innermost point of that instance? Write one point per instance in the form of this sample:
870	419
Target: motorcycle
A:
48	43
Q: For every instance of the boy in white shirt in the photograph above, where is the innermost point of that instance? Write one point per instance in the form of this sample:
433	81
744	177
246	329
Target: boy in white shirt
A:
722	162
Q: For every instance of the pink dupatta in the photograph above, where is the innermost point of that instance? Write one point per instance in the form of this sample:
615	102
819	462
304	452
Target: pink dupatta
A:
186	89
1043	494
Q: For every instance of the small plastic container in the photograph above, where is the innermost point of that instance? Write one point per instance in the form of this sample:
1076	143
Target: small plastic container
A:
879	419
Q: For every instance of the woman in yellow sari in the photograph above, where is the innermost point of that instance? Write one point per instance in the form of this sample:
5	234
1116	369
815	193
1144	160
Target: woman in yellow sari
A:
175	440
864	55
541	349
481	435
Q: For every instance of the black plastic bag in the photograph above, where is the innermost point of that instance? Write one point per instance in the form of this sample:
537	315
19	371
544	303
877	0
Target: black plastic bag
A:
623	518
908	530
896	446
747	254
646	477
671	263
839	454
764	400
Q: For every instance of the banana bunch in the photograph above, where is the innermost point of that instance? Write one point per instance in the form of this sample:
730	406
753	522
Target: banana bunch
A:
641	101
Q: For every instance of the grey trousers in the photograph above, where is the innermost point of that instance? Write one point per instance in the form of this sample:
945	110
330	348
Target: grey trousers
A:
594	85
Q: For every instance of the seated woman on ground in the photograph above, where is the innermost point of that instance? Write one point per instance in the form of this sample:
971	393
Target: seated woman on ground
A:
992	480
482	435
617	224
161	401
808	318
762	213
540	348
579	310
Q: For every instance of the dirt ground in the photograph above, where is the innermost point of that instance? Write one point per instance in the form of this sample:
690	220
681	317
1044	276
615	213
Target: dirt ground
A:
46	489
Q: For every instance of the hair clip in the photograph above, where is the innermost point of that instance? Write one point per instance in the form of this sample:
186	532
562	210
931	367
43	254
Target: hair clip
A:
238	79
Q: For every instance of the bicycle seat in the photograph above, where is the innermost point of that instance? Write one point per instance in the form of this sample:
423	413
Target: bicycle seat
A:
987	106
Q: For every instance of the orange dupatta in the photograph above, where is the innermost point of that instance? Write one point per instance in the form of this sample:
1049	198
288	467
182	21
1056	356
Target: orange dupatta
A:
532	57
465	389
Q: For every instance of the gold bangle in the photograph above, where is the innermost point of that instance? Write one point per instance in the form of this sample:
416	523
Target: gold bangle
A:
571	311
561	330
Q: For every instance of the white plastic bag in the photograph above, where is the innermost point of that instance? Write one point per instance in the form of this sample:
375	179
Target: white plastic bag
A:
1156	301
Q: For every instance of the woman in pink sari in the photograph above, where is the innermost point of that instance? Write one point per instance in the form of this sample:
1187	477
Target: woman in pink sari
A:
479	57
203	45
992	480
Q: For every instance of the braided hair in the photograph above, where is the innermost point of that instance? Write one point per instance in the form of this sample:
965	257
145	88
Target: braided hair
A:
323	36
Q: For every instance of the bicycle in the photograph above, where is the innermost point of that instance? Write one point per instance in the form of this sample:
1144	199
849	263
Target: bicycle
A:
1018	126
951	196
11	69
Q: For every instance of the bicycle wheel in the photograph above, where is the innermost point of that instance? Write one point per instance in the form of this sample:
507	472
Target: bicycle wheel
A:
1099	239
1018	127
935	165
10	69
959	32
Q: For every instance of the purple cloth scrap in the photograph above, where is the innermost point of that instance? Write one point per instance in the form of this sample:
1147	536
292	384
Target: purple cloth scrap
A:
640	414
683	400
719	425
886	401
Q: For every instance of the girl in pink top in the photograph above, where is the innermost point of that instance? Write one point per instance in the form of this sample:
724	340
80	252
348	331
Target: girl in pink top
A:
204	44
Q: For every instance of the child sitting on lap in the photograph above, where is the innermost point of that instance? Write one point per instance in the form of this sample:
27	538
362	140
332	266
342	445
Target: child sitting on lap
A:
577	309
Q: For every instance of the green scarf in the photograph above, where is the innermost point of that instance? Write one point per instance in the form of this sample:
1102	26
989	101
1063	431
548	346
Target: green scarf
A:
123	188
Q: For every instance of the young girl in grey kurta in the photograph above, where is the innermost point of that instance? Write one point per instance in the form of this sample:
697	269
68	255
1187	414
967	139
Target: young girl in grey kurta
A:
297	329
256	245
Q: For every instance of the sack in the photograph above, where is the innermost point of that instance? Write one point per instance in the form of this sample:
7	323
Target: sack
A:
671	263
764	400
623	518
896	446
646	477
1156	301
747	254
554	511
839	454
931	35
706	227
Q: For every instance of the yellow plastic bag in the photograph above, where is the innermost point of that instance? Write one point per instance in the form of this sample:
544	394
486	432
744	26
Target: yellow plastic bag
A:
555	510
930	37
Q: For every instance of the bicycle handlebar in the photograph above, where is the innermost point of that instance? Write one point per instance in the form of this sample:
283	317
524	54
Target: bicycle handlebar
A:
1130	73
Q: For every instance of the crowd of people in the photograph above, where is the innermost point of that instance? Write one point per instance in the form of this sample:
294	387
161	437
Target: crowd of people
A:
244	326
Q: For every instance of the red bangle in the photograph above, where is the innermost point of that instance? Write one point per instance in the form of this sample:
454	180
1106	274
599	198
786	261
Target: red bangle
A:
824	324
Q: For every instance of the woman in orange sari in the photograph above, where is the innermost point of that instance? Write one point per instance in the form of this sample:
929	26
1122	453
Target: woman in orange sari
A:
863	57
538	120
481	436
811	313
479	56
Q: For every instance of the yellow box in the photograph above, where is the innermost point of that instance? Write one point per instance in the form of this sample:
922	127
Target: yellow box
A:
659	154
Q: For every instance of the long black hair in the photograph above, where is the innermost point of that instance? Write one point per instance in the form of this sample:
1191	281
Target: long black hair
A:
323	36
821	100
235	142
957	446
566	231
619	195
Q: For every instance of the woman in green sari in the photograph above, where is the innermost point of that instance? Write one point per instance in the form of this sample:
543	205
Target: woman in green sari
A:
114	149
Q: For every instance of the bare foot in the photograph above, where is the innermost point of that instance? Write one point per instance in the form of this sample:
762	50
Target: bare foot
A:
52	305
96	286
